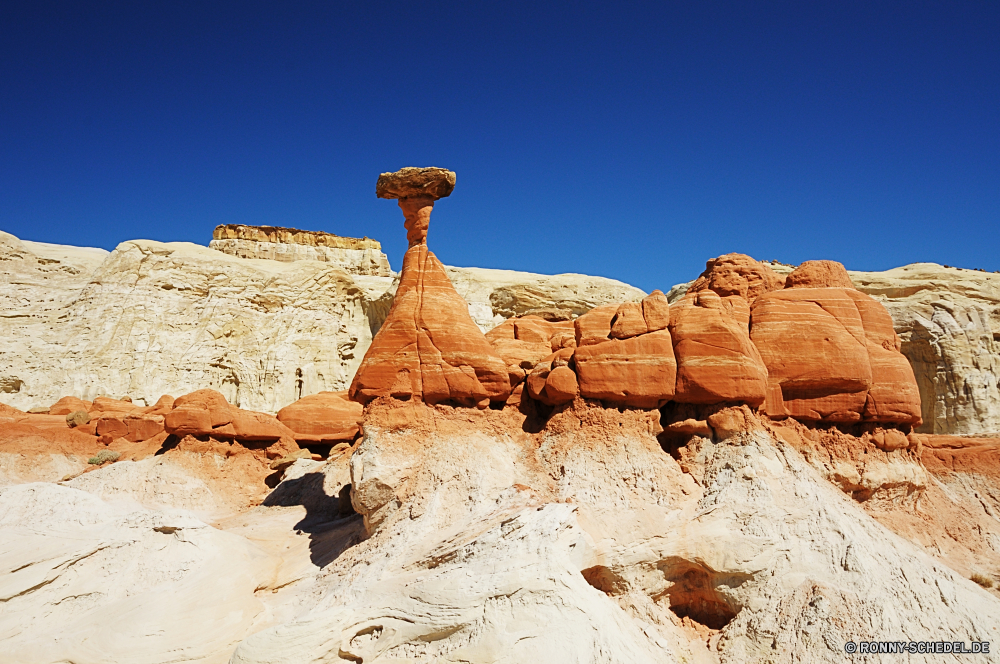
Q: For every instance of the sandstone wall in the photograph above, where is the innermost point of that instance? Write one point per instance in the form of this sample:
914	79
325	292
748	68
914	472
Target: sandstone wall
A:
948	320
155	318
355	255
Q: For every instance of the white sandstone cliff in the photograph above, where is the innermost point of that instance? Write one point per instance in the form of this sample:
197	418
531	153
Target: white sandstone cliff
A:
153	318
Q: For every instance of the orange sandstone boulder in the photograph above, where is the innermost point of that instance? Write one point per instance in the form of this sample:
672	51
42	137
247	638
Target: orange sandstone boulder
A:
68	405
830	351
894	395
324	417
716	361
624	354
819	274
552	381
111	426
207	413
594	327
639	371
524	342
142	426
113	406
739	275
163	405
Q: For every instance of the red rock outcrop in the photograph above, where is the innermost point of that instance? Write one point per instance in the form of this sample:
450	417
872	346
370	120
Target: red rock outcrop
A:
524	342
830	351
716	361
552	381
428	348
68	405
327	417
207	413
636	368
737	274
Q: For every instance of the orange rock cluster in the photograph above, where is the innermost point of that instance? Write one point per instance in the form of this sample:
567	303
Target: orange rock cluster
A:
831	351
324	418
809	347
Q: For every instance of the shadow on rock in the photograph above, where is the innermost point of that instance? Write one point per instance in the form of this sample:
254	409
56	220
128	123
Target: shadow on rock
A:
330	520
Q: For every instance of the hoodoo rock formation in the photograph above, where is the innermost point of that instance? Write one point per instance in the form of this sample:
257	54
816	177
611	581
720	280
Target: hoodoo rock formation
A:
831	352
428	348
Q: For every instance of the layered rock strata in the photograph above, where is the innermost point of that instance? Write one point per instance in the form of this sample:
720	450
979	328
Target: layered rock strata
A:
831	352
153	318
353	255
428	348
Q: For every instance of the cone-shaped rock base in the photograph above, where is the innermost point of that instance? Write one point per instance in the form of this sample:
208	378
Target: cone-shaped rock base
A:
429	347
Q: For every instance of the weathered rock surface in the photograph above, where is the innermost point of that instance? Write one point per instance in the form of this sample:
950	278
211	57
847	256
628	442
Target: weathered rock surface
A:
413	181
152	318
948	321
597	547
497	295
525	341
428	347
207	413
325	417
639	371
716	361
830	351
353	255
737	274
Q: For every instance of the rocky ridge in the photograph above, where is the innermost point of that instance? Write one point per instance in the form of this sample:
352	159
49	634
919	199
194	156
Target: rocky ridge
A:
354	255
153	318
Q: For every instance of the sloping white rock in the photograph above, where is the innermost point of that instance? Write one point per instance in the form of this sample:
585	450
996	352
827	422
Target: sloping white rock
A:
483	545
496	295
87	581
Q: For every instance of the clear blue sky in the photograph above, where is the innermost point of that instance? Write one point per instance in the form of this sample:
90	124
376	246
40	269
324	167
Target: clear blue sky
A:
629	140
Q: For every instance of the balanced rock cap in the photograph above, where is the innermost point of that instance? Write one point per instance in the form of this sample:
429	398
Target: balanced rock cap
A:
411	181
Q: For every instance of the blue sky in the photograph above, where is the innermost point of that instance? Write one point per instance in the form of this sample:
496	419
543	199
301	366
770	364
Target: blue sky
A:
628	140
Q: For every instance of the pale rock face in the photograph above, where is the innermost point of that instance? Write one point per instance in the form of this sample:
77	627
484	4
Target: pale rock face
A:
949	323
353	255
485	547
88	581
355	261
496	295
157	318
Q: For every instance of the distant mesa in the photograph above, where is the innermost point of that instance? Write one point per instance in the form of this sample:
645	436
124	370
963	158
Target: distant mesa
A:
355	255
